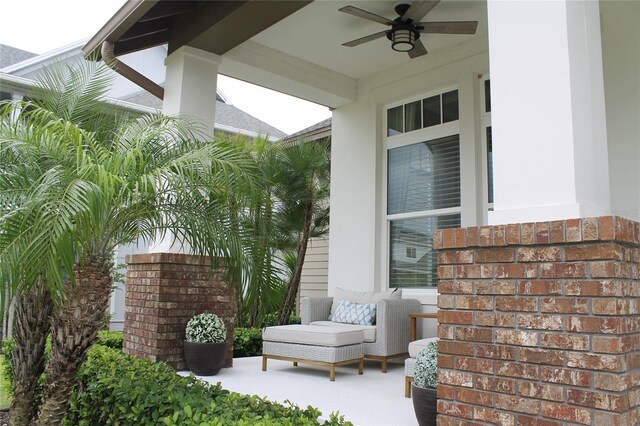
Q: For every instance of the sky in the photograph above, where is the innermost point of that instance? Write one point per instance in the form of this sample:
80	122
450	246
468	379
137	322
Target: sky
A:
42	25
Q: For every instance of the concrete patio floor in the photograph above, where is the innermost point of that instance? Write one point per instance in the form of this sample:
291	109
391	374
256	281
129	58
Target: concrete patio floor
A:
369	400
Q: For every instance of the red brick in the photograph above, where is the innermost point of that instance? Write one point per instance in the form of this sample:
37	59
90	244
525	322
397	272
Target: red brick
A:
527	234
518	404
604	288
613	382
516	369
459	238
539	254
590	229
477	365
531	421
516	337
448	238
615	419
437	239
541	391
455	287
609	363
606	228
565	341
456	348
564	306
445	392
563	270
516	270
453	317
541	356
539	288
445	272
455	257
613	307
473	334
557	232
494	255
474	397
495	384
445	361
520	304
542	232
540	322
566	412
500	235
598	400
446	301
601	251
476	303
490	319
485	237
467	271
456	410
612	345
472	236
573	230
565	376
495	351
513	234
495	287
494	417
606	269
455	378
613	325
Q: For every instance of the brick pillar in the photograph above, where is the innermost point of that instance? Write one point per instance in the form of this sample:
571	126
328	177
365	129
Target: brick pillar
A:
539	324
163	292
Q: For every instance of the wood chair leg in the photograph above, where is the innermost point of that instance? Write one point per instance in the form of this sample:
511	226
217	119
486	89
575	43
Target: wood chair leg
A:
264	363
361	366
384	365
295	364
332	372
407	387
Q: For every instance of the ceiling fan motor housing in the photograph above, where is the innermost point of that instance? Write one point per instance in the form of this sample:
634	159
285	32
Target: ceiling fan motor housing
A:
401	7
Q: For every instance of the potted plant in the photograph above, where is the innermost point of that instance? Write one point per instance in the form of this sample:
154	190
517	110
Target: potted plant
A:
423	388
205	347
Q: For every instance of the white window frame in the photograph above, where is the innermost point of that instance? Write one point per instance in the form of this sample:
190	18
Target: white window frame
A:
451	128
485	121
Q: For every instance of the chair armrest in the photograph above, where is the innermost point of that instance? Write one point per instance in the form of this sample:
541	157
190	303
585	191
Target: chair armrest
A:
315	309
393	324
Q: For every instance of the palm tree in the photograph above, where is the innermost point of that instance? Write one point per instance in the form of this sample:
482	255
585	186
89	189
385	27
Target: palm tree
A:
96	181
303	193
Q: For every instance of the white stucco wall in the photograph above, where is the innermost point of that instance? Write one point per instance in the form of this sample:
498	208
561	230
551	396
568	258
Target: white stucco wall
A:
620	22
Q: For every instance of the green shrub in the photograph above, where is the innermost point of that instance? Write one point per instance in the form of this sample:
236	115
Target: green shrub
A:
247	342
271	319
114	388
110	339
7	369
206	328
425	371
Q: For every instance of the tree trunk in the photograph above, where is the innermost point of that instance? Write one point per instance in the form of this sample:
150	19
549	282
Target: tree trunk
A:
75	326
30	330
294	282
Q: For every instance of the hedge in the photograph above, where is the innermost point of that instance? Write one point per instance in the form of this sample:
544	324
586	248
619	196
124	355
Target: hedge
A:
247	342
115	388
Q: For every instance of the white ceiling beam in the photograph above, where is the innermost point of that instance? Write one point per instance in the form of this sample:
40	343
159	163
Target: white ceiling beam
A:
270	68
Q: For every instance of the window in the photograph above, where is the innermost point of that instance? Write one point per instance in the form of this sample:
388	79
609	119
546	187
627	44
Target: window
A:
488	142
421	114
423	194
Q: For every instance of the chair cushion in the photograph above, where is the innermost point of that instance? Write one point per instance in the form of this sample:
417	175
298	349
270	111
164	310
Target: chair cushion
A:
313	335
417	345
362	296
368	330
354	313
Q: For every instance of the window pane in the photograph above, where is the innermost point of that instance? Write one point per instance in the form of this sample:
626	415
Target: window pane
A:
394	121
412	116
450	106
413	262
490	165
424	176
431	111
487	96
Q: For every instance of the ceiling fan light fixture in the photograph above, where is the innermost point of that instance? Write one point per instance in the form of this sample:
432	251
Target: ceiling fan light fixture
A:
403	39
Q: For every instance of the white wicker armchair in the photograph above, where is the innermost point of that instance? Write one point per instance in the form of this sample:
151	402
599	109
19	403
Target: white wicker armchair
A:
392	325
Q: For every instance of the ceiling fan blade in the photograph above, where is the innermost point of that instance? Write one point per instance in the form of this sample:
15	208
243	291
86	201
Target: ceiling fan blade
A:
351	10
363	40
419	9
418	49
457	27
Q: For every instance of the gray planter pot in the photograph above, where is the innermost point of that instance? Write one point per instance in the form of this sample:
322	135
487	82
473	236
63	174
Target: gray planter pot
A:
205	359
425	404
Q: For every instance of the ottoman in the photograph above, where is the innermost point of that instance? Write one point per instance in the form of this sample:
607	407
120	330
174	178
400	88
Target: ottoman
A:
309	344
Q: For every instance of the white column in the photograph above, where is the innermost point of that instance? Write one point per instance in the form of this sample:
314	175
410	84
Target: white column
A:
548	111
190	86
17	109
190	91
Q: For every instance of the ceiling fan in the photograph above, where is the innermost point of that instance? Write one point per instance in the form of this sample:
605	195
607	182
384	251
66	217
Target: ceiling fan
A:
405	30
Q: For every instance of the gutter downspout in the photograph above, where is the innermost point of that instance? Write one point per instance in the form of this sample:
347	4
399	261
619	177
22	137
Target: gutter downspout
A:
129	73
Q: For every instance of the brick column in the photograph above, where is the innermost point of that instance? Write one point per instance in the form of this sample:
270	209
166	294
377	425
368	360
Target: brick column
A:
163	292
539	324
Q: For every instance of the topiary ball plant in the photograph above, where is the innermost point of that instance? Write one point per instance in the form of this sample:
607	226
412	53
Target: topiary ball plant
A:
206	328
425	371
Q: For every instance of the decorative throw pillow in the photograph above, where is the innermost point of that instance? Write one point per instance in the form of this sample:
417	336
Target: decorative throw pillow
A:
354	313
362	296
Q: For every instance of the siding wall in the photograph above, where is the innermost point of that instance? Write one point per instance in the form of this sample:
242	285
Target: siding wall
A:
315	270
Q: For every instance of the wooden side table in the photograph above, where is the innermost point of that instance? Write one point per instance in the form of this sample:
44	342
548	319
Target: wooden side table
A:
414	320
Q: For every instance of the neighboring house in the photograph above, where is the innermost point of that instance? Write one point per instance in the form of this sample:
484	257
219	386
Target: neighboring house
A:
19	68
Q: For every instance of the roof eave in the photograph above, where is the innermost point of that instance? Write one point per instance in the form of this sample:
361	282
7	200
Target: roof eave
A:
119	23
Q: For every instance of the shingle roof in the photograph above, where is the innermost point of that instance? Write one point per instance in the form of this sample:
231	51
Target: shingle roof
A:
226	114
317	131
11	55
